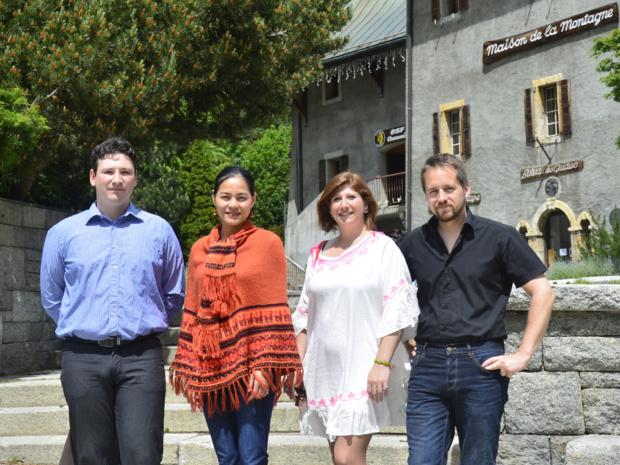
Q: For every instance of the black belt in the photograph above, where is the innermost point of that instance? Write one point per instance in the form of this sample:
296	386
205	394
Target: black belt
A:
110	342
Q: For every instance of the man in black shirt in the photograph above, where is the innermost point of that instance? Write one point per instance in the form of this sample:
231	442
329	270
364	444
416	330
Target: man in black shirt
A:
465	267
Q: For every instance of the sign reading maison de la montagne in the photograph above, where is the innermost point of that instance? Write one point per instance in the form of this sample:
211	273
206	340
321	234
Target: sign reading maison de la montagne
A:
496	49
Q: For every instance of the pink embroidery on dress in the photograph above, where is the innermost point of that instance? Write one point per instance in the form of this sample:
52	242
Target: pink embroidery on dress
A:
348	257
302	311
395	290
314	403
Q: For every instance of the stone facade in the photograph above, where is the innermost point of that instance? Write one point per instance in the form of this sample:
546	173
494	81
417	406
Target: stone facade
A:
571	388
27	339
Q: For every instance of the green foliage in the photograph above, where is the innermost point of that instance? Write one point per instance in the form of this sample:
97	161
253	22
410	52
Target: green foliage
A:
21	125
201	164
583	268
602	243
145	70
610	64
267	158
159	188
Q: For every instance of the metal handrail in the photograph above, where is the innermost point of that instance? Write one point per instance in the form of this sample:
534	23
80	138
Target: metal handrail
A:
295	275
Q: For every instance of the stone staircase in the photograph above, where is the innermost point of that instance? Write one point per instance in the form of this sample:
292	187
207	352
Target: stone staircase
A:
34	424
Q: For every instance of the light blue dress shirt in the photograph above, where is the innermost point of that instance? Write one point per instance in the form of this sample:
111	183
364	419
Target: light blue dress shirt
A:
102	278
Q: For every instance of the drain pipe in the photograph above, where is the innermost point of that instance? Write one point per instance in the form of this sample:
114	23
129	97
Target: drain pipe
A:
409	117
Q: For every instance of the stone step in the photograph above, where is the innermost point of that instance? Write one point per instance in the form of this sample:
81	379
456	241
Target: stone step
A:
593	450
197	449
178	418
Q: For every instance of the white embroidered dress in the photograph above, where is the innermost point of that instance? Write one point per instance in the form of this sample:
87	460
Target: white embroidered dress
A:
347	305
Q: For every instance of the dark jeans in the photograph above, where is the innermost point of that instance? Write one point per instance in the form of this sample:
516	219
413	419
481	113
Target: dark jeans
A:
240	436
449	388
116	402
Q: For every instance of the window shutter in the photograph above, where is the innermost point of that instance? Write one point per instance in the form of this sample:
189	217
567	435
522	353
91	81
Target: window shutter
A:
565	112
463	5
453	6
529	117
435	133
465	131
435	10
344	163
322	175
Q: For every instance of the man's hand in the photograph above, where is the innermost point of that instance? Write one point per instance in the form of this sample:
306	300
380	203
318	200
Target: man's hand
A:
507	364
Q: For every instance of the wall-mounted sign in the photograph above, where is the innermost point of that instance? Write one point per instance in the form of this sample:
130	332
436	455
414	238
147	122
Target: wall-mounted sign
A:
473	198
389	136
550	170
496	49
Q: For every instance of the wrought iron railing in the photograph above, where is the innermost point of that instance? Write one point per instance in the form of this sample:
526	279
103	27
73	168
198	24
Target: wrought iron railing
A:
295	275
388	190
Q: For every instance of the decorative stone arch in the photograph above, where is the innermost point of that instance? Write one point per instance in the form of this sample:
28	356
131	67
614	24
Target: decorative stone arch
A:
581	220
524	229
536	237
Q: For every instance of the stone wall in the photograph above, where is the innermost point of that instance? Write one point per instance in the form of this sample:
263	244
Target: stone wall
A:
571	387
27	339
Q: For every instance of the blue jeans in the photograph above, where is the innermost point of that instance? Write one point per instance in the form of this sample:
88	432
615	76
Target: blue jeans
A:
449	388
240	436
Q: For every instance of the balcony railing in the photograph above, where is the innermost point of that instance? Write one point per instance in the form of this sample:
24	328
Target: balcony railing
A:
388	190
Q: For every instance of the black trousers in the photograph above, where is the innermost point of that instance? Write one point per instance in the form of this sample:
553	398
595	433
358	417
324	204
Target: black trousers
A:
116	402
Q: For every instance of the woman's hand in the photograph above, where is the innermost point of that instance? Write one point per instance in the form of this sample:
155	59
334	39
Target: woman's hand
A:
289	385
378	382
258	387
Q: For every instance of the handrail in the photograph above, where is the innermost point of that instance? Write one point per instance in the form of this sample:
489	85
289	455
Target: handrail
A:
295	275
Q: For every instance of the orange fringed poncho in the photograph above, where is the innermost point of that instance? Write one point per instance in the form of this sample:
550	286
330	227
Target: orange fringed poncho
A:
236	319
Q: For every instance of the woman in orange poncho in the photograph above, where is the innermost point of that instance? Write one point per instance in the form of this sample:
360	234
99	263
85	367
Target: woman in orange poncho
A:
237	344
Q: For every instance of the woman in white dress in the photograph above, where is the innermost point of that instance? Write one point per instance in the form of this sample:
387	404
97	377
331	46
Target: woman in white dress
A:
356	306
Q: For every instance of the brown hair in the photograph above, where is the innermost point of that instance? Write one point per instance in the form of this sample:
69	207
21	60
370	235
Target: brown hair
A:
443	160
341	180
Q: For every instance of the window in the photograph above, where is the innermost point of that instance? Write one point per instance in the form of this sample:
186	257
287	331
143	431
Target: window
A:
444	10
331	89
451	129
332	164
547	110
455	132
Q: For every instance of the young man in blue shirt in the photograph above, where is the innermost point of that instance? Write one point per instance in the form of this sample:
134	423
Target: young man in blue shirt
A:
112	278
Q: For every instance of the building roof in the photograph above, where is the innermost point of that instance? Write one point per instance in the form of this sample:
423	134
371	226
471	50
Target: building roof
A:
375	25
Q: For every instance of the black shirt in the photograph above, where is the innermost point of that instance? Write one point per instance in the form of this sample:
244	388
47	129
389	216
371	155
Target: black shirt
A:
463	295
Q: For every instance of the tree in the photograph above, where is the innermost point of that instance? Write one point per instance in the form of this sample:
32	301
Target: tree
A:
160	190
200	165
21	125
173	70
268	160
609	65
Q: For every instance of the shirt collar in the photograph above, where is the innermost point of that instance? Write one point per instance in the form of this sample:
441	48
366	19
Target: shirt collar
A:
94	212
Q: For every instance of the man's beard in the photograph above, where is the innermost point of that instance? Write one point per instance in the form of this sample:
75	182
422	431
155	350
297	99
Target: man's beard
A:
447	219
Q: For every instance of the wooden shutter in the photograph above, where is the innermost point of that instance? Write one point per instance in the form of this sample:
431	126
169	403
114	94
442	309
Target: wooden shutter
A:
529	117
463	5
435	10
344	163
322	175
453	6
435	133
565	113
465	131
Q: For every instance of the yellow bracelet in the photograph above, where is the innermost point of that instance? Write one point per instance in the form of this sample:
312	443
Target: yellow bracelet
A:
385	364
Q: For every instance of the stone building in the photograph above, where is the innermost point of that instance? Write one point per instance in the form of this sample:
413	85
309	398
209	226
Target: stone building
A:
511	88
353	118
508	86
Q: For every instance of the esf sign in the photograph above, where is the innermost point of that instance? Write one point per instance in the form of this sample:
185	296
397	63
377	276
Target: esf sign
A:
389	136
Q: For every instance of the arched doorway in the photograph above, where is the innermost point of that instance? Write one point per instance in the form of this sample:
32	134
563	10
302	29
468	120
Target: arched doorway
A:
557	237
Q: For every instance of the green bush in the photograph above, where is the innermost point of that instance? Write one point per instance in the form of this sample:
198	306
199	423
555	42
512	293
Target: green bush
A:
603	243
586	267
